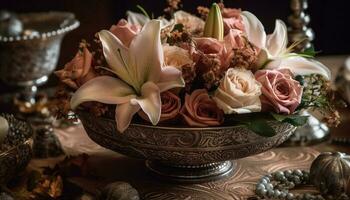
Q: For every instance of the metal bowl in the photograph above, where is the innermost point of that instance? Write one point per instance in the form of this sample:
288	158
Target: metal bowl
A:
16	150
184	154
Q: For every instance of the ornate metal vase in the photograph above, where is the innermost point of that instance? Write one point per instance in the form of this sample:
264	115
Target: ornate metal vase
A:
183	154
16	149
30	57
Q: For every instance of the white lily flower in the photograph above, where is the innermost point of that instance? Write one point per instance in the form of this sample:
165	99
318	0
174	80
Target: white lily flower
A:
141	19
141	76
274	51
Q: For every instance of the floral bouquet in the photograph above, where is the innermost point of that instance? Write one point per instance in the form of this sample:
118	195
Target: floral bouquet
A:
186	71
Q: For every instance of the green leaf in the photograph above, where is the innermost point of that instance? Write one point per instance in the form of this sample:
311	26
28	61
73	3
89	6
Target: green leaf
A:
143	11
309	52
295	120
261	127
178	27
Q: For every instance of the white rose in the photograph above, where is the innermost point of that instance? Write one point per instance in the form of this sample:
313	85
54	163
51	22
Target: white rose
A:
176	56
238	92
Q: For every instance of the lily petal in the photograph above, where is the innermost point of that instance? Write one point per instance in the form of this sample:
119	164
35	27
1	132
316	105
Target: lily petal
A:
254	29
170	78
150	101
300	66
263	58
146	53
137	18
278	40
114	52
123	115
104	89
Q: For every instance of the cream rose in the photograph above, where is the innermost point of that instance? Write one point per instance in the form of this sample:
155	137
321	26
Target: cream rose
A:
176	56
238	92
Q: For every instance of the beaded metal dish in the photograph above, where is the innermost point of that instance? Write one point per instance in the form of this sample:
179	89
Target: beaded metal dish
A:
16	149
184	154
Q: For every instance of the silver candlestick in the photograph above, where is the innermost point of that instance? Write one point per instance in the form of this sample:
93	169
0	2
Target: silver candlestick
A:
298	25
313	131
29	50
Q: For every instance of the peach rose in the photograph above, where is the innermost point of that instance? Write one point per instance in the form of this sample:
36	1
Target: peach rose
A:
125	31
171	105
238	92
280	91
200	110
176	56
78	71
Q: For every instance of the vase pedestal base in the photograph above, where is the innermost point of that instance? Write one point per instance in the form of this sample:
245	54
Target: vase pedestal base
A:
192	173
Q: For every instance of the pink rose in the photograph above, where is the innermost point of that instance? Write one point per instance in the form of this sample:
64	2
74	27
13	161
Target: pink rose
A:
171	105
213	49
209	45
125	31
234	40
231	12
280	91
200	110
78	71
232	19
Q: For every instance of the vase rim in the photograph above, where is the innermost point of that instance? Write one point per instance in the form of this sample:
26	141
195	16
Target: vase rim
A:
69	23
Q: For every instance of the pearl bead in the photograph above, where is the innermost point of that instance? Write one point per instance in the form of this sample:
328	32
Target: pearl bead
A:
277	194
290	196
277	185
296	180
298	172
269	186
288	173
270	193
263	181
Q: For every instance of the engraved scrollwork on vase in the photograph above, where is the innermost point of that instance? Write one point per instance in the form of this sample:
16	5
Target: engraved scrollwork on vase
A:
180	145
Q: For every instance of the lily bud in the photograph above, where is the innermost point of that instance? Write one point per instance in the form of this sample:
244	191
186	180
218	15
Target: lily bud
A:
214	26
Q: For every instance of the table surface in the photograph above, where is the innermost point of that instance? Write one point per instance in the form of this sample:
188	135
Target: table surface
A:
110	166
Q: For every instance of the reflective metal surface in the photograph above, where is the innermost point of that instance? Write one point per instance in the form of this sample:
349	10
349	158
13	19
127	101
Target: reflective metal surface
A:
15	151
342	81
298	25
313	132
29	58
170	150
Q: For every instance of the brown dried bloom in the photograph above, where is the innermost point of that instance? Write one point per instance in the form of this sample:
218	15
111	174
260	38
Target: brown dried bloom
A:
203	12
245	57
60	106
173	5
177	37
188	74
332	119
210	68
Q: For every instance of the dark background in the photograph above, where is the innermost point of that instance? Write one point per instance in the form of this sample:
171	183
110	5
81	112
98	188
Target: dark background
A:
330	19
